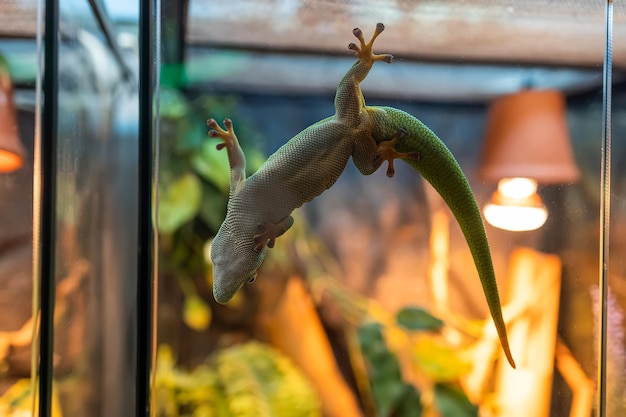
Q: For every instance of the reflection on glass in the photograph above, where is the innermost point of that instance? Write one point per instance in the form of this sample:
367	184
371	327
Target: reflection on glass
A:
11	149
95	214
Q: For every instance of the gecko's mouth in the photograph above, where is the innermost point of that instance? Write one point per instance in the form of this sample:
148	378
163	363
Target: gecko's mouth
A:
224	293
226	284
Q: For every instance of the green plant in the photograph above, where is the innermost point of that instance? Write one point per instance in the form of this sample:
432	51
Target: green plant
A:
438	365
392	396
246	380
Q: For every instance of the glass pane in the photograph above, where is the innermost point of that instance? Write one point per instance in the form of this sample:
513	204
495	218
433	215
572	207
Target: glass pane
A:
96	210
371	303
17	127
616	300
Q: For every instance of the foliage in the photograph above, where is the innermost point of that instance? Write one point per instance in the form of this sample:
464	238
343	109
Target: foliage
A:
179	202
452	402
17	401
250	379
414	318
438	365
411	368
392	395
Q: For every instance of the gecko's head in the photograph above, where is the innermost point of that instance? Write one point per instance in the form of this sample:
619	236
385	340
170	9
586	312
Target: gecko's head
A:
233	266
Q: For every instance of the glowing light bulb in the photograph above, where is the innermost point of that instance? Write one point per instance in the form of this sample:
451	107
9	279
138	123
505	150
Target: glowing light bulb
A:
517	188
516	206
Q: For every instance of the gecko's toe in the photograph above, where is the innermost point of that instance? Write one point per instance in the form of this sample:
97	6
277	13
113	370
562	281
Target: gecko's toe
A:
358	33
391	171
379	27
414	155
352	46
258	248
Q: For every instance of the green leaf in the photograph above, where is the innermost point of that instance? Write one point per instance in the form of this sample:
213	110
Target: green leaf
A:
415	318
213	166
439	360
386	382
452	402
411	403
179	202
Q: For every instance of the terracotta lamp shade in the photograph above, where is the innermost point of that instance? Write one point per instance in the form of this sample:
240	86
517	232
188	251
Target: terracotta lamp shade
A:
527	136
11	150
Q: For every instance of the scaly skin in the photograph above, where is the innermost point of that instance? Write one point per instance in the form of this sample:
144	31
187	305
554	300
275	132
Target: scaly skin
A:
259	207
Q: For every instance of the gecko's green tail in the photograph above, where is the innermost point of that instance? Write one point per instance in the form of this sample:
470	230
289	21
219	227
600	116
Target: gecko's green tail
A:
439	167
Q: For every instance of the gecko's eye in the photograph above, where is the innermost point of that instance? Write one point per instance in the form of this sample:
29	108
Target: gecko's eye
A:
251	280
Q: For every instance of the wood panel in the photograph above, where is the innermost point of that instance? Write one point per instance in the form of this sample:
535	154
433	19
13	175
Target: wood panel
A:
531	31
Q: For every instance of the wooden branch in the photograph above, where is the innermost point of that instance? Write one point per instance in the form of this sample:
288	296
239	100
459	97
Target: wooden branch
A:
582	387
294	327
534	277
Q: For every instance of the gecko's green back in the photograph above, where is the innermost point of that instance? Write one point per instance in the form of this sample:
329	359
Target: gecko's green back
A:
439	167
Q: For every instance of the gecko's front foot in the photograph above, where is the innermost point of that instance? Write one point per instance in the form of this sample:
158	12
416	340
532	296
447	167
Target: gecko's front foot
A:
386	151
364	52
266	234
229	139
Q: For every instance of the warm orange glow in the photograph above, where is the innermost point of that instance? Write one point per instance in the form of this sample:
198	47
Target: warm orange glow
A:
9	161
11	150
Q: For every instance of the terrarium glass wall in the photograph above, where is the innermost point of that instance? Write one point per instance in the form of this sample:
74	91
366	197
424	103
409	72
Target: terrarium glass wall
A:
372	297
77	187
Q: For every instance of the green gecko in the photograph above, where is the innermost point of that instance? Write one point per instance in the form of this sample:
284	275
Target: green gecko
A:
259	207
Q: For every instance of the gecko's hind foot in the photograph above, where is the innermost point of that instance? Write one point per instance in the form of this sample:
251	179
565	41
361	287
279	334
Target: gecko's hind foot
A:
228	136
364	50
386	151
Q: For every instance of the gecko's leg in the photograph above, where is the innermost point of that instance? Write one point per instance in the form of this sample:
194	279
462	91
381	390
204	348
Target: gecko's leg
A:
236	158
268	232
386	151
349	101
